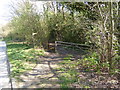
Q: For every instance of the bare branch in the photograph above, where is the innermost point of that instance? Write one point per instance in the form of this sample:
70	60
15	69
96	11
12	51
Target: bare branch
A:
100	12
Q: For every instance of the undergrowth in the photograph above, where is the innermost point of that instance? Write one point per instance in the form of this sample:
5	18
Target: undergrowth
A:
71	69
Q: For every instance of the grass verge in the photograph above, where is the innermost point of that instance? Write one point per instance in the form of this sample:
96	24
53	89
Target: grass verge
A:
22	57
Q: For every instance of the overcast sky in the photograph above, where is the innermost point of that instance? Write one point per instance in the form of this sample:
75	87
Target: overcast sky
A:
5	10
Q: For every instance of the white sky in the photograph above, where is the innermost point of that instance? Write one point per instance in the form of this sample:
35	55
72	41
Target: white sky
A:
5	10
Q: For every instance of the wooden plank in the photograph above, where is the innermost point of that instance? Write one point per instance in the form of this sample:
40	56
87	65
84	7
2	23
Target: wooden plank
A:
71	44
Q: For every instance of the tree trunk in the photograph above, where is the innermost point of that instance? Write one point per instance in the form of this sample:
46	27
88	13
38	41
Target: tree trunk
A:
110	36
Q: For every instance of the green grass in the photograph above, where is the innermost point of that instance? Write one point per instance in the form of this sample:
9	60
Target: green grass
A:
69	75
21	57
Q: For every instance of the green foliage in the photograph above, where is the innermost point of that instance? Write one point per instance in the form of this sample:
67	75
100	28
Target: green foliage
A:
68	57
72	22
116	64
69	74
26	25
86	87
90	62
65	29
83	8
20	56
47	26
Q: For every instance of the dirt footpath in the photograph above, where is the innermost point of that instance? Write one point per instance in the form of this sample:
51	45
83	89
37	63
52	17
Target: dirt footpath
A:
43	74
46	75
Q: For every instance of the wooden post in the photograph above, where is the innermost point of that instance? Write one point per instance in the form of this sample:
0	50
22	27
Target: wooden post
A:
56	46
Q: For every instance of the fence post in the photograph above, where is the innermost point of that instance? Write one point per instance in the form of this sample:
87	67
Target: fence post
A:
56	46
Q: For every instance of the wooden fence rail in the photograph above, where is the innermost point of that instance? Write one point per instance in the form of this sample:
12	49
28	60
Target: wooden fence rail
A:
61	43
